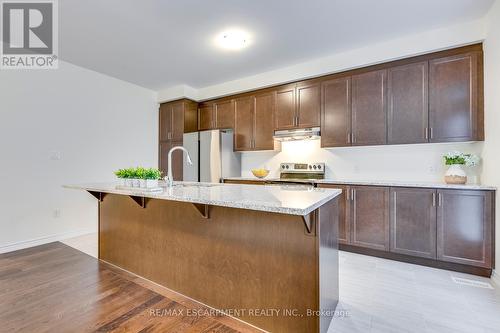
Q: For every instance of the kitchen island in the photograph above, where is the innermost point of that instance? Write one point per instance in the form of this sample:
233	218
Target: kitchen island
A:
267	255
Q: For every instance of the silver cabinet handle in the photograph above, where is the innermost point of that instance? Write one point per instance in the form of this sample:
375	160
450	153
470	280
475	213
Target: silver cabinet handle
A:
353	138
434	199
348	137
347	195
431	133
353	195
426	133
440	199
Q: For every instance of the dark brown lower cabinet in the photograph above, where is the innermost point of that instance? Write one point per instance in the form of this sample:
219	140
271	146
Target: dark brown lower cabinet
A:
369	210
345	216
177	159
413	222
464	227
451	229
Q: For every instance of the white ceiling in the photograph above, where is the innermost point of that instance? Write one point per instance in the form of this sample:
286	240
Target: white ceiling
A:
162	43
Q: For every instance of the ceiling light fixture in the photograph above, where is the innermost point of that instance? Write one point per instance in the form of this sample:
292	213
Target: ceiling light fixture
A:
233	39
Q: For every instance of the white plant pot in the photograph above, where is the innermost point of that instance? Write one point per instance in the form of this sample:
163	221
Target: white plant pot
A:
455	175
142	183
151	183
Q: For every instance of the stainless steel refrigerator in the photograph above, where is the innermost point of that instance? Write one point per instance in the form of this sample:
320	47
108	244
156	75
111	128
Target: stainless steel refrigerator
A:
213	156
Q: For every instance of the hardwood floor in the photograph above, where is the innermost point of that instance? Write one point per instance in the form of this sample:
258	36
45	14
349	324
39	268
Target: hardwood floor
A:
55	288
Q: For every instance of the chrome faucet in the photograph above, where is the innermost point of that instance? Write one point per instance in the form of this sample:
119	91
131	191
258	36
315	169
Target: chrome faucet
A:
169	178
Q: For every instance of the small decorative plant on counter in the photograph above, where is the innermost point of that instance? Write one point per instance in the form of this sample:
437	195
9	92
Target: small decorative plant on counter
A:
455	160
139	177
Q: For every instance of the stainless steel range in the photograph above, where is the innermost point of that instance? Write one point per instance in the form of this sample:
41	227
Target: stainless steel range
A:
301	173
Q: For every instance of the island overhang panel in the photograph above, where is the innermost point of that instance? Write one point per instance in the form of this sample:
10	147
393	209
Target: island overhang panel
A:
276	271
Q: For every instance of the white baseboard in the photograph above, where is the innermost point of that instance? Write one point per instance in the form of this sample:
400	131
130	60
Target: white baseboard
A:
44	240
495	276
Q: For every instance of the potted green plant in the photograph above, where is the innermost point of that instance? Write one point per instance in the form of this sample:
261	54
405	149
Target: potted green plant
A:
455	160
152	176
130	177
140	174
121	174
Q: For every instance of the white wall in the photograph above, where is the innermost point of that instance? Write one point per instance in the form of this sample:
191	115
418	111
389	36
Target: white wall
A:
410	45
422	162
491	173
96	123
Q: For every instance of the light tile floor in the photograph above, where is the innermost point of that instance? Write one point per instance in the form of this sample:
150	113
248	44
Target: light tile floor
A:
385	296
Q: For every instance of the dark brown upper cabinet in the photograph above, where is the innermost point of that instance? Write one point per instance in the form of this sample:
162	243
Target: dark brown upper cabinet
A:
408	111
165	130
177	121
370	217
298	105
286	113
244	123
264	120
190	116
254	115
455	98
413	222
224	114
369	108
308	104
336	112
177	118
464	227
206	116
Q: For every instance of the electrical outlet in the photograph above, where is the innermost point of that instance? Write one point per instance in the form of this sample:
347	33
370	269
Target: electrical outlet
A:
356	169
432	169
55	155
56	213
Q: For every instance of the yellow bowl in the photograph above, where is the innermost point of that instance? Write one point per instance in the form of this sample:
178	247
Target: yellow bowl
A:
260	173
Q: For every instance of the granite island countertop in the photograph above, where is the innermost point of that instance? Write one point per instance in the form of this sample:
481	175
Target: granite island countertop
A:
285	199
396	183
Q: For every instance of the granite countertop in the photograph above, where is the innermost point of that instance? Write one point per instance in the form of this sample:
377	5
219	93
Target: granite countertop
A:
285	199
396	183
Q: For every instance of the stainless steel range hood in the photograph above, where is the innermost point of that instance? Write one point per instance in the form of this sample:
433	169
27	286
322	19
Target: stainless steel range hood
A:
311	133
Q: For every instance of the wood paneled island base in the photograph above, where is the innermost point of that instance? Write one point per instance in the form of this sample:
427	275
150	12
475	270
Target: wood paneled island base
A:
264	268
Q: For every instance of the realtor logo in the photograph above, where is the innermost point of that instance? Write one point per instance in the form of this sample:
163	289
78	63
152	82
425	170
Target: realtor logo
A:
29	35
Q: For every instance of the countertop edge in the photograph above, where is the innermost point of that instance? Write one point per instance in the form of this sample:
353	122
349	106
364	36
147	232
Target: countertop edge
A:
475	187
222	203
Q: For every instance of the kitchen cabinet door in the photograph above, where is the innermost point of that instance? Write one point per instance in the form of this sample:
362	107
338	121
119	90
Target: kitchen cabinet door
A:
177	159
308	104
206	116
264	120
369	108
464	227
413	221
286	115
344	205
224	114
165	122
453	98
336	113
177	119
244	123
190	117
408	111
370	217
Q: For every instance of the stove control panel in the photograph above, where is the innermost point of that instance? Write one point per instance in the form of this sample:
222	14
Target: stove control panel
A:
302	167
